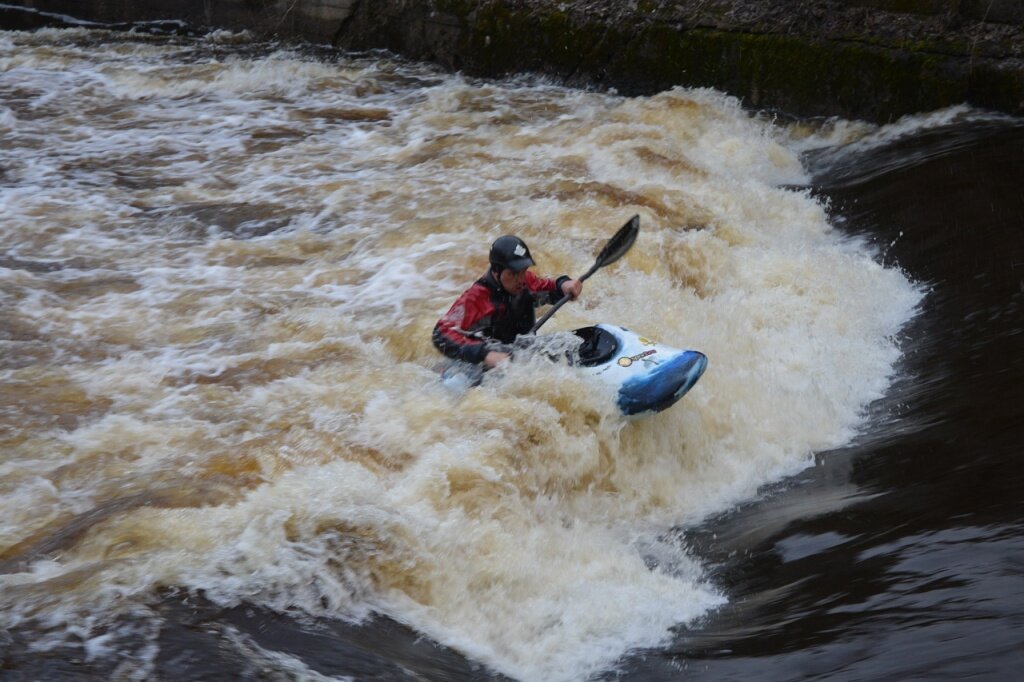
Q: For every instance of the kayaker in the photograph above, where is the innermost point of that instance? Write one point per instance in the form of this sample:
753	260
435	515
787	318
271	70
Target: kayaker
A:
499	306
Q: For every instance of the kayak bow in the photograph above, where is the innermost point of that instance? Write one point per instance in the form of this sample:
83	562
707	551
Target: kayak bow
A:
649	376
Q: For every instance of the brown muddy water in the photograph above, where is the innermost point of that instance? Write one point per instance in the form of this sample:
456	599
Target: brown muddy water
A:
224	453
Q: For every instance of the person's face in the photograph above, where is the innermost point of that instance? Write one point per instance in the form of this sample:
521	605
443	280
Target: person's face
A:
513	282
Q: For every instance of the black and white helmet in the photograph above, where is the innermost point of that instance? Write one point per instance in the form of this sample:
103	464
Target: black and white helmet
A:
511	253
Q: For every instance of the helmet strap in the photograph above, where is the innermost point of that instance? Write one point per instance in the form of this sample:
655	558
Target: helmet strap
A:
496	270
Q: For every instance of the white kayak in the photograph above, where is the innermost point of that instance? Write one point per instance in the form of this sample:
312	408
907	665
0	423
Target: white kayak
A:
649	376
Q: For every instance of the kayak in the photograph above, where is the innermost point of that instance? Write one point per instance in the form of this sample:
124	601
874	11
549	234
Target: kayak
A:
648	376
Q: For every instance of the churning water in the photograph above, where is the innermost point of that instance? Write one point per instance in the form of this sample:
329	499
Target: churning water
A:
221	263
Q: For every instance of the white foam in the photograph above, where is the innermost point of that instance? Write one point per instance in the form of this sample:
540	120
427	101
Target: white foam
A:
271	397
262	662
8	121
842	136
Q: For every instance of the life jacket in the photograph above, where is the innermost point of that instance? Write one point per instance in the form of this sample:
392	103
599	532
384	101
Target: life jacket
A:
512	315
486	312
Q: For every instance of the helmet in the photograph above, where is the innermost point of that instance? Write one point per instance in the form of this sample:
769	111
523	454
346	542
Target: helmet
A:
510	252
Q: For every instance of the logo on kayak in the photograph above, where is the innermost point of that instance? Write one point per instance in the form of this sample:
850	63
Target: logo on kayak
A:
627	361
644	342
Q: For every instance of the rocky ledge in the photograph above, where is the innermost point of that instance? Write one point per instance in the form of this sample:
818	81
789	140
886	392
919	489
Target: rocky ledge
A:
869	59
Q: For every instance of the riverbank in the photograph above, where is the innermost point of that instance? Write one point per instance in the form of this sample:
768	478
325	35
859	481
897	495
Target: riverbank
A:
870	59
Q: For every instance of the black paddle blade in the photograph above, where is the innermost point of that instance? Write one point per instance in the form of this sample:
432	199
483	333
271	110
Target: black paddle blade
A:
615	249
618	245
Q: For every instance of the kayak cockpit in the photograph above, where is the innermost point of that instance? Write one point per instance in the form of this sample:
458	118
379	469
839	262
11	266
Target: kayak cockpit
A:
598	347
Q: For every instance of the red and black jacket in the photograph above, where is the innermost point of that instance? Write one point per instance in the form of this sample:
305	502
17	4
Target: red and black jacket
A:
486	315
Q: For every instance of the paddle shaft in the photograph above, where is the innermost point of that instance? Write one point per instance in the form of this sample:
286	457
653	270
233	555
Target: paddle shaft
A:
562	301
615	249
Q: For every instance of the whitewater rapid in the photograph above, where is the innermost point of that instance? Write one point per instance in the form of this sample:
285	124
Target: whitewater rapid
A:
222	261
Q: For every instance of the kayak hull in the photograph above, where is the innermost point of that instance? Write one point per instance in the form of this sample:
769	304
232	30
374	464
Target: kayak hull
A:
649	376
662	387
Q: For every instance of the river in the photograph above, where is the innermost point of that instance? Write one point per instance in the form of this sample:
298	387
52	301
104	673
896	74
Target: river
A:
225	452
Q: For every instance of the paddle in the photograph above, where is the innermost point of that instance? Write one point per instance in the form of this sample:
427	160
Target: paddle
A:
615	249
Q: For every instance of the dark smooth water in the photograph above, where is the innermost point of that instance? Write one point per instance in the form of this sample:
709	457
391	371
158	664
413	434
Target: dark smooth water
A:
901	556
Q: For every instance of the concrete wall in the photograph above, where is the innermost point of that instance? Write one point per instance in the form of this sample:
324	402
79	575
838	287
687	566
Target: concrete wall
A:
872	59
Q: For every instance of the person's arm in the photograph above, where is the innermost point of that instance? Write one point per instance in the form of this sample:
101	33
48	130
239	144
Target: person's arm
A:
451	335
571	288
495	358
550	291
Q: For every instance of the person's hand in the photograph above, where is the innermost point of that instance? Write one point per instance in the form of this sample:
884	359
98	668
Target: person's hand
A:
573	288
495	358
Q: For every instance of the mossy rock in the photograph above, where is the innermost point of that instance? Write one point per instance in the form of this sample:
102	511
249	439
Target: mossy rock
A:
800	75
